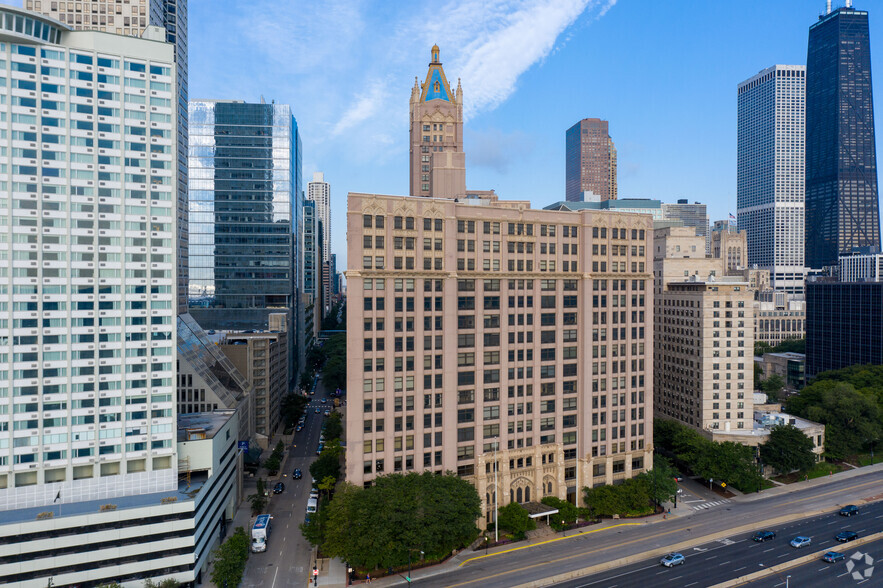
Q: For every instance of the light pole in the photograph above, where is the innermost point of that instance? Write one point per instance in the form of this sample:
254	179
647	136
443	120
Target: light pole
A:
486	541
496	494
787	581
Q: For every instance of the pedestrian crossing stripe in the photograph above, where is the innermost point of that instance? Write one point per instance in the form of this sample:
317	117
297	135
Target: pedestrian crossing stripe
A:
710	504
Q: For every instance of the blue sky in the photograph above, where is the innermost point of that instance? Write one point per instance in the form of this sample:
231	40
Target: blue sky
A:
663	73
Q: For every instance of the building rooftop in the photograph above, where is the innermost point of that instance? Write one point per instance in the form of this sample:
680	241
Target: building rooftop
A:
764	420
788	355
202	425
183	493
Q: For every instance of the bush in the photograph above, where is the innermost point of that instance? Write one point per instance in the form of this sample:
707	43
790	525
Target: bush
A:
514	518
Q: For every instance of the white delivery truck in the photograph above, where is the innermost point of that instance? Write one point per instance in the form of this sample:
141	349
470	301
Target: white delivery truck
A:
312	505
260	533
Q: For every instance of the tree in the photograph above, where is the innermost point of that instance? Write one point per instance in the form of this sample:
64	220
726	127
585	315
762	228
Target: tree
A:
167	583
229	560
328	464
773	384
567	512
758	376
380	525
661	480
333	426
761	347
334	370
258	503
851	418
514	518
788	449
292	408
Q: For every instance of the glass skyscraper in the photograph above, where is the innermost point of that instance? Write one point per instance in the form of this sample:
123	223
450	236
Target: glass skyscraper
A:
842	208
245	214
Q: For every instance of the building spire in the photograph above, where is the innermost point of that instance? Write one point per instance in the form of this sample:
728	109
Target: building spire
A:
435	54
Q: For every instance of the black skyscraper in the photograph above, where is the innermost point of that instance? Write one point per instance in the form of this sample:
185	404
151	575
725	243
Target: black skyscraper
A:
842	210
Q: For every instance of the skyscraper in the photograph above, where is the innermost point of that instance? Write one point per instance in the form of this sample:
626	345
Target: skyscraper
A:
319	191
438	164
692	215
590	161
246	208
770	143
130	17
842	206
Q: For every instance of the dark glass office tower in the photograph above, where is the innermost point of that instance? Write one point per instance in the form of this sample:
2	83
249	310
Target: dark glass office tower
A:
245	216
842	210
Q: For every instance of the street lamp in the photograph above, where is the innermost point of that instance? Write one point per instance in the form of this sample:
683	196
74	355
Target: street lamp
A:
787	578
486	541
409	563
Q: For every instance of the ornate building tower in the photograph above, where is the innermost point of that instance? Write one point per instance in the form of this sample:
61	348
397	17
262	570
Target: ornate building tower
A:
438	164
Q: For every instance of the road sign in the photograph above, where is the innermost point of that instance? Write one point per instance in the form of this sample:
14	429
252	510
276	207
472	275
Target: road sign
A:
723	484
243	445
315	572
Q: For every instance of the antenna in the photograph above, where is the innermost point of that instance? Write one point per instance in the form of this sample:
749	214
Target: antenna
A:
828	11
849	3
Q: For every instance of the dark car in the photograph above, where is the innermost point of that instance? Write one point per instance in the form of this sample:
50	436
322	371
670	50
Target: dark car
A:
844	536
764	536
849	510
279	488
297	475
833	557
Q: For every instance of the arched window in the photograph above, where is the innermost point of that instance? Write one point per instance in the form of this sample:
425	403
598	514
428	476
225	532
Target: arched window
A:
527	493
519	495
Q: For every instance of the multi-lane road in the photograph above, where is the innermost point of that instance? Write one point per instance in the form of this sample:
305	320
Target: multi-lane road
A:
738	555
287	559
538	564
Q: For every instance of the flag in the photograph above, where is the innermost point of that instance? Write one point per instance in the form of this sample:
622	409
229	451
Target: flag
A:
57	496
732	217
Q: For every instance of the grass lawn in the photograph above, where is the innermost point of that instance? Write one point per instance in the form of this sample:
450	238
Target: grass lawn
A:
822	468
766	484
864	459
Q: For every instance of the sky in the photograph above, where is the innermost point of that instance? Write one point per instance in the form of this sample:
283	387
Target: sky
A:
664	74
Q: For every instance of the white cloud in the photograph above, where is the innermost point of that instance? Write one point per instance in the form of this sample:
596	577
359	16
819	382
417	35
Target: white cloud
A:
367	106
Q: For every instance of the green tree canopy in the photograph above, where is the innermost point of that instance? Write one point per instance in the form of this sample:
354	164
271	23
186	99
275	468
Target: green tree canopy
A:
379	525
851	418
229	559
328	464
333	426
334	370
788	449
514	518
660	480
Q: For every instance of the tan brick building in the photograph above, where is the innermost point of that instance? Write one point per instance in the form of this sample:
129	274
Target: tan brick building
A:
703	335
480	324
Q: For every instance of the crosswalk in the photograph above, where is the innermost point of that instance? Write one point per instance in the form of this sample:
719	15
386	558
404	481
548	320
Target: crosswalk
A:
712	504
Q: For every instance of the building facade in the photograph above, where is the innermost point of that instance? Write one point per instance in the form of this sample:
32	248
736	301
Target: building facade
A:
844	325
245	216
590	161
438	163
128	17
703	336
319	191
861	267
539	320
79	281
691	215
770	148
842	206
731	245
312	274
262	357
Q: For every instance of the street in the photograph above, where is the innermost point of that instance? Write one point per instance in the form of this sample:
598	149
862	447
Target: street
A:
287	559
540	562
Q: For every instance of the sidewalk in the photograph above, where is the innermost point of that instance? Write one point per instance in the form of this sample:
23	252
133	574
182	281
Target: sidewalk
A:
788	488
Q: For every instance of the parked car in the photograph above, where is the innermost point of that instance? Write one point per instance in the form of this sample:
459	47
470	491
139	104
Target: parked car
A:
849	510
297	475
844	536
762	536
299	428
672	559
279	488
801	541
314	493
833	557
327	413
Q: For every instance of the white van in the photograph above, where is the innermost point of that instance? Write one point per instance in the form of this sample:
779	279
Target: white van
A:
312	504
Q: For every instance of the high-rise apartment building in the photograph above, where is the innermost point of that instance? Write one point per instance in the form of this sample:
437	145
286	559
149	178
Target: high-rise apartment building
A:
842	205
88	448
590	161
483	325
861	267
130	17
438	164
703	336
319	191
770	144
245	216
90	262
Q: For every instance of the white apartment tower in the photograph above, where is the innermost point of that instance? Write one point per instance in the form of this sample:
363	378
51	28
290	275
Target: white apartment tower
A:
319	191
770	172
131	17
87	278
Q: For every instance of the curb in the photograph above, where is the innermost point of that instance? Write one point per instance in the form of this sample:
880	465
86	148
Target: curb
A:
791	564
624	561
